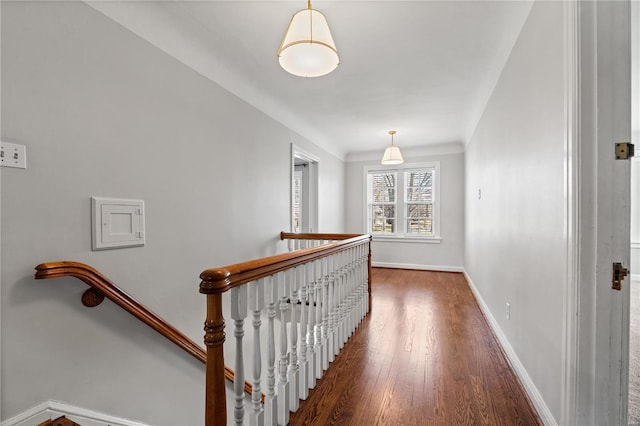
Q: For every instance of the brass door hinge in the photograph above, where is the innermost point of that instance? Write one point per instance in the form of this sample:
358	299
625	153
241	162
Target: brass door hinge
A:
624	151
619	272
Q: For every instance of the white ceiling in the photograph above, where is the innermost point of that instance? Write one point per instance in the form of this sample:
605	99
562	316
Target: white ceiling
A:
423	68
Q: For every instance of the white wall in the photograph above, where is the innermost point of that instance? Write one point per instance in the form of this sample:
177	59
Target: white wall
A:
514	246
449	254
103	113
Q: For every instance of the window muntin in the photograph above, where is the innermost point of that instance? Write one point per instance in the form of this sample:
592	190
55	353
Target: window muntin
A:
402	202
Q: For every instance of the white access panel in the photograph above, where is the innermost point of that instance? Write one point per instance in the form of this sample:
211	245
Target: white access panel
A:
117	223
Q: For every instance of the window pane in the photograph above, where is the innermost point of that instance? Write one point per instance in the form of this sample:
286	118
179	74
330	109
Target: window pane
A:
420	227
420	195
383	187
419	178
381	195
420	219
417	211
383	218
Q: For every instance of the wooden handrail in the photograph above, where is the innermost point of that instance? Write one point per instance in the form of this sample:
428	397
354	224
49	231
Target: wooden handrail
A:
221	280
312	236
102	287
217	281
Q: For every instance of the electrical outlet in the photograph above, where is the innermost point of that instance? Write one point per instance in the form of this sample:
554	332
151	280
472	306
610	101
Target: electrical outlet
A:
13	155
508	311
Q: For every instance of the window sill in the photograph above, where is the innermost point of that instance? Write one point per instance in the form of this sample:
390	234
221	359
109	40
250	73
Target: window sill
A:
405	239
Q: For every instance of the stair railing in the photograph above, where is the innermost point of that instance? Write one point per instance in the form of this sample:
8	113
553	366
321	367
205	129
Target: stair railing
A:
320	291
100	287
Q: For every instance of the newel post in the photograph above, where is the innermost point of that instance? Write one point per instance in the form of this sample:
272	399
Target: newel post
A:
215	395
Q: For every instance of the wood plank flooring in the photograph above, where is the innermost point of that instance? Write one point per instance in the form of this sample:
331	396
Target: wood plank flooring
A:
423	356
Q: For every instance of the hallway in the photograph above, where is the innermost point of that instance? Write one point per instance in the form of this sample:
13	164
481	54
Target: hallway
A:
424	355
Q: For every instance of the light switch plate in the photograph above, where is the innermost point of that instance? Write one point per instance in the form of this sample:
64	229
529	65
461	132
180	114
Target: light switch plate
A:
13	155
117	223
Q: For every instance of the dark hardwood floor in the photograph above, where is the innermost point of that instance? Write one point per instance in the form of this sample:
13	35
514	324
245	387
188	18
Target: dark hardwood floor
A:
423	356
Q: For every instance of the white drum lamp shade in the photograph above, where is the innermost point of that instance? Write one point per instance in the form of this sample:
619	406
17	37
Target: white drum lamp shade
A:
392	154
308	50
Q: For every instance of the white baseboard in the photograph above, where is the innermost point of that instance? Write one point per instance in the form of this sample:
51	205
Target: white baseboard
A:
418	267
517	367
635	277
54	409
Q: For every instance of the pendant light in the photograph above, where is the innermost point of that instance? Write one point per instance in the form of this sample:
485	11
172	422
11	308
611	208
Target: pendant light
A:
392	154
307	49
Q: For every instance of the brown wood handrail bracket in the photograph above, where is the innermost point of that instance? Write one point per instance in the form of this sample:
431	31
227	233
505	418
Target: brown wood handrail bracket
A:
101	287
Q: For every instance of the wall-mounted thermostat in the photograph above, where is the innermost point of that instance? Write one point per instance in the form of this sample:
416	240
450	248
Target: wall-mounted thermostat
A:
117	223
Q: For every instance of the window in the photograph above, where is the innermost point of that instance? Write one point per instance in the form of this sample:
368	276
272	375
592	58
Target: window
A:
297	201
402	202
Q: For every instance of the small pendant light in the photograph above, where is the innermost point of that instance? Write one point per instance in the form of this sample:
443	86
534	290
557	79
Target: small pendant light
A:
392	154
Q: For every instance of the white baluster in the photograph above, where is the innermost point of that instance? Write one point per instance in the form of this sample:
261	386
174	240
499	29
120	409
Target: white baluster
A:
353	306
294	381
310	339
325	312
256	305
331	308
318	326
283	384
362	283
304	363
238	314
270	400
337	301
344	296
365	281
352	295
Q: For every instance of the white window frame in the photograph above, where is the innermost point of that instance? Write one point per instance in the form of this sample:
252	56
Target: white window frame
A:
401	204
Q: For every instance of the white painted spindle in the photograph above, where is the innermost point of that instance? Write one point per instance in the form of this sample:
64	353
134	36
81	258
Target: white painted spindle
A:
294	381
331	308
283	384
304	363
270	400
256	305
325	313
310	327
238	314
317	350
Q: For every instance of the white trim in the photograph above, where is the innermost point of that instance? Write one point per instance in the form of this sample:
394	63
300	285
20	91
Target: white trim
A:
439	268
313	188
570	343
517	367
635	277
409	152
405	239
635	245
53	409
401	201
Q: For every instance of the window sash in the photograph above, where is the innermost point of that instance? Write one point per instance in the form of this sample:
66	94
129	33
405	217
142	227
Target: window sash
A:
382	188
419	202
